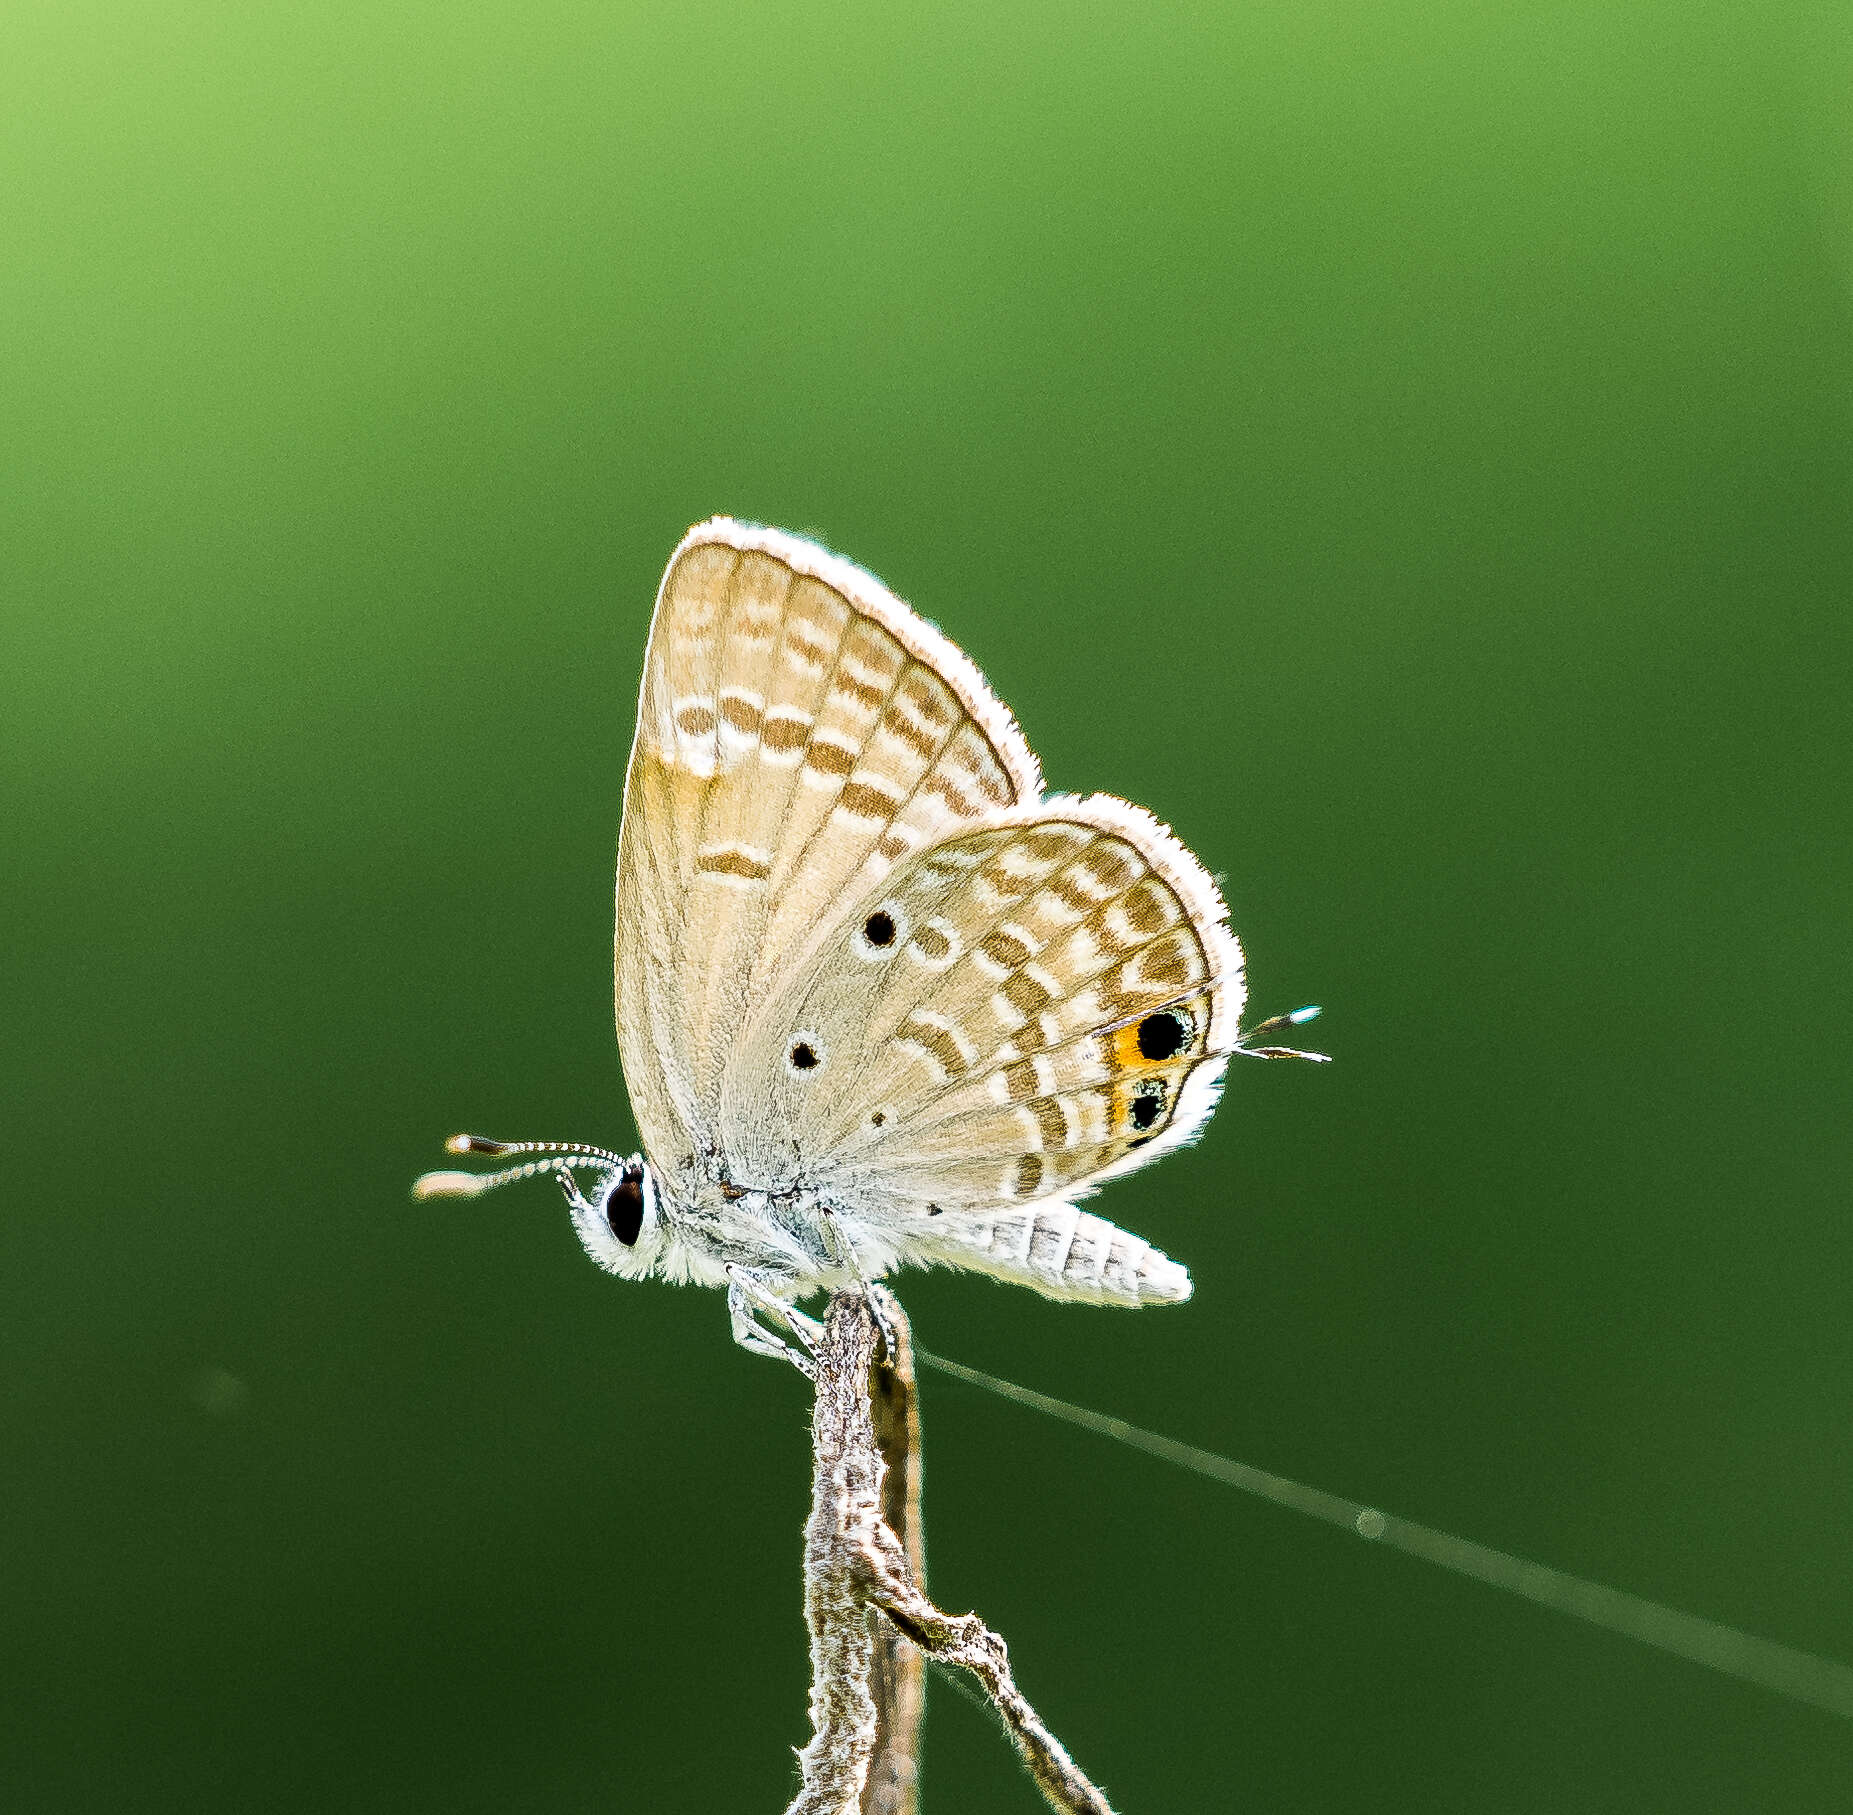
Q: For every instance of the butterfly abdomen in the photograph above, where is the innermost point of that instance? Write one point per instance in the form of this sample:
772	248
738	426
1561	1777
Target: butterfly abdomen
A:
1064	1252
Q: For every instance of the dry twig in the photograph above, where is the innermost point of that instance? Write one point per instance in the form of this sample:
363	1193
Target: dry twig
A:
856	1566
897	1679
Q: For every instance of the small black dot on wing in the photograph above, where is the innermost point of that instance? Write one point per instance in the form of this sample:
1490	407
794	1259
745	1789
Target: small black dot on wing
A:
878	929
803	1056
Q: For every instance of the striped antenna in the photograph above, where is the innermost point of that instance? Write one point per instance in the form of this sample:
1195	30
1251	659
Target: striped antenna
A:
564	1156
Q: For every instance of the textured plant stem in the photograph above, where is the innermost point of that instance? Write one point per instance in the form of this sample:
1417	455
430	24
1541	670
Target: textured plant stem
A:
846	1484
855	1563
897	1677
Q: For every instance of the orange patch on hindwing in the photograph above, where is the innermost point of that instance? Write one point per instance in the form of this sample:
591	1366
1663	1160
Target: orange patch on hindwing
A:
1147	1062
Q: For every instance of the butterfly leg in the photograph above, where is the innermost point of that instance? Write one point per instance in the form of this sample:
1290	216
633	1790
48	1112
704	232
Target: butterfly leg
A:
878	1298
884	1307
753	1305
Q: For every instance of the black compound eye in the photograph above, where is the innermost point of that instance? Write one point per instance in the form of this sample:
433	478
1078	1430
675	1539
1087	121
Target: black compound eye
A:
878	929
1160	1036
624	1208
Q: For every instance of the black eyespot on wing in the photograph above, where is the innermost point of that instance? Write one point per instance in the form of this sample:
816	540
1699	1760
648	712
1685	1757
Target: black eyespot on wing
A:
803	1055
624	1208
934	1210
1146	1110
878	1118
878	929
1161	1035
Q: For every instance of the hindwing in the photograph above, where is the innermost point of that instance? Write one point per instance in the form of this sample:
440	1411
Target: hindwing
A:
1014	1013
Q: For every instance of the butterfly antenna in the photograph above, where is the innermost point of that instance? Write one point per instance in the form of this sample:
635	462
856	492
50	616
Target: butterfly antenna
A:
563	1156
1278	1024
1801	1676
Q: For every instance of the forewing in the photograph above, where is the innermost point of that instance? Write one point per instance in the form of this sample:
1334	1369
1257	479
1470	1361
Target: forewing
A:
1056	1003
800	733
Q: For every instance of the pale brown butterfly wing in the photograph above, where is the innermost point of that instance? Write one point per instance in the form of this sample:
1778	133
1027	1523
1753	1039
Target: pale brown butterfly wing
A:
1014	1014
800	732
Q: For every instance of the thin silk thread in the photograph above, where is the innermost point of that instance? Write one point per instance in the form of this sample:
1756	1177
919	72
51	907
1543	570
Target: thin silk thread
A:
1801	1676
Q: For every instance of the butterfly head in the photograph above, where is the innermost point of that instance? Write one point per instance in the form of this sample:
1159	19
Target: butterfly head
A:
618	1218
620	1224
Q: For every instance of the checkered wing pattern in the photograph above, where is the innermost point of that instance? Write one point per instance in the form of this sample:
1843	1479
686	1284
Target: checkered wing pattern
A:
801	734
1015	1013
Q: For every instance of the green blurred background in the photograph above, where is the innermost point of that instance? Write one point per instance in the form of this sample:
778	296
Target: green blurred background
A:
1425	426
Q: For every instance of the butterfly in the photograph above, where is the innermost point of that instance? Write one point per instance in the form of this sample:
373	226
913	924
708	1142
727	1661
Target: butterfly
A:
881	1002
